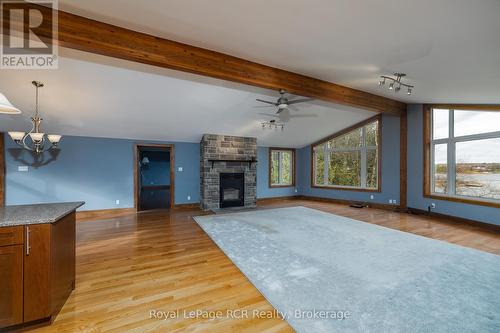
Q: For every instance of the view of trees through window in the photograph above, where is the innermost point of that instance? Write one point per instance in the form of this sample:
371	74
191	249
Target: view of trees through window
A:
349	160
465	149
281	167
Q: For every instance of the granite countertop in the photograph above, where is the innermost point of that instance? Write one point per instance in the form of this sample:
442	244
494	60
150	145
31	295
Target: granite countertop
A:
36	214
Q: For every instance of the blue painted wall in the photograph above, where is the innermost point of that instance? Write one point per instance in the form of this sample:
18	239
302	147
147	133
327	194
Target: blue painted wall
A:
96	170
390	170
157	171
416	172
263	189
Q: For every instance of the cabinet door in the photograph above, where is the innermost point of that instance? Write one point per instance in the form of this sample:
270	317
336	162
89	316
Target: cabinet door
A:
36	272
11	285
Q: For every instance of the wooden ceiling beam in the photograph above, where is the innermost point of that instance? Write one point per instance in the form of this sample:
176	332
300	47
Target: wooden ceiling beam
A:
77	32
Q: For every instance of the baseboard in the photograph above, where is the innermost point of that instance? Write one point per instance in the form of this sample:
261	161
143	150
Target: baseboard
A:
348	202
190	205
489	226
271	199
101	214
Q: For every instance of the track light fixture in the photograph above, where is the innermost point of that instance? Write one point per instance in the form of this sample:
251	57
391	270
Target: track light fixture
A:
273	124
395	83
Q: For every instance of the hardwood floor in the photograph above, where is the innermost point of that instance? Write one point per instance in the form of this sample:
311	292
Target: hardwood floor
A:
131	265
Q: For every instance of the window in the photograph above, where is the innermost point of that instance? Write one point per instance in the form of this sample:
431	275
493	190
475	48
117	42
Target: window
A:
281	167
462	159
350	159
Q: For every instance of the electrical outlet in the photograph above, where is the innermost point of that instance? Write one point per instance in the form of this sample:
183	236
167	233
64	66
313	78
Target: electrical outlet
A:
372	197
189	197
390	201
117	202
433	205
179	169
394	201
22	168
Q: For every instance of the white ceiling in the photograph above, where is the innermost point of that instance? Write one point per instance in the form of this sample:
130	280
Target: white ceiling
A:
449	48
92	95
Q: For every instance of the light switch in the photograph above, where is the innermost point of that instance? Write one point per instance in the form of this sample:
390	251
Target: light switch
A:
22	168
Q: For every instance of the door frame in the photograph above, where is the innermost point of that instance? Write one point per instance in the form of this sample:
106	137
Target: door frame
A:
137	147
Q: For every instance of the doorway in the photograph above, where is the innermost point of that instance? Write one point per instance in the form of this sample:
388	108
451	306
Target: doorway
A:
154	177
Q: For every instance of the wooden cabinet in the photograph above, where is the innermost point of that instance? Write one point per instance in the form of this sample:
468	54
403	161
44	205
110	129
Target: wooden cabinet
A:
11	285
37	272
37	267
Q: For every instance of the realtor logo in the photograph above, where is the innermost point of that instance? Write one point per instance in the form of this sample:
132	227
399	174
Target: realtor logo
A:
29	33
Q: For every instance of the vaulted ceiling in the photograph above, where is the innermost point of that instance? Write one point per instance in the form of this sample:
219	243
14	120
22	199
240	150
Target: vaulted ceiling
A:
448	48
92	95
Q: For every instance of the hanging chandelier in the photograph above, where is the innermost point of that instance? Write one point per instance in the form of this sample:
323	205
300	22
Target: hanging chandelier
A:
35	140
395	83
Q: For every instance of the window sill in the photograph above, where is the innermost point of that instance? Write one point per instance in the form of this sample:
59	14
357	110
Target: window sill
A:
281	186
340	188
463	200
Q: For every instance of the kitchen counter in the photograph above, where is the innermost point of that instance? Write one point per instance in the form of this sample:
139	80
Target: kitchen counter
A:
36	214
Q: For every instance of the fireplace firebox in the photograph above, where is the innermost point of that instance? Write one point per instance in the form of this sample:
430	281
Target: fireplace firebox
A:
232	190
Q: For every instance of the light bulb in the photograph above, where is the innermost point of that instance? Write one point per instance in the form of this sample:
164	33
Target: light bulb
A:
391	86
409	91
398	88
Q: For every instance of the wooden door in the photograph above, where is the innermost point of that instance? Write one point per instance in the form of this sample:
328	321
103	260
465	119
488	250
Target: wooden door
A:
11	285
37	272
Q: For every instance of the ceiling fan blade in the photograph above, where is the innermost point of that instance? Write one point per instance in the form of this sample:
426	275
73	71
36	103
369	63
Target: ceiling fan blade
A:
263	101
300	100
268	114
303	116
264	106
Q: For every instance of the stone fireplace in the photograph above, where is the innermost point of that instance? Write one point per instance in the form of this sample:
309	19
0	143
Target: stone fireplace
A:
228	171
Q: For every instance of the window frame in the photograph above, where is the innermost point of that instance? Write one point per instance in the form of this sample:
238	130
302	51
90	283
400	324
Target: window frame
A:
451	141
292	169
362	149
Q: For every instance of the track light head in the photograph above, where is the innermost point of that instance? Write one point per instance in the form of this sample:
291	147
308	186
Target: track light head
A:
396	83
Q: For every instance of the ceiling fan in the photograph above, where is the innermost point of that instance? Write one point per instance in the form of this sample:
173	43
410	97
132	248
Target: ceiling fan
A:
283	102
285	115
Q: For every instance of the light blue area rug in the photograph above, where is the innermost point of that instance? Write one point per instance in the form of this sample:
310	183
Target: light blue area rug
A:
383	279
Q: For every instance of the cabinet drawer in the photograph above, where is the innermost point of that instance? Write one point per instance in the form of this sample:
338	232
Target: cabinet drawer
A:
11	235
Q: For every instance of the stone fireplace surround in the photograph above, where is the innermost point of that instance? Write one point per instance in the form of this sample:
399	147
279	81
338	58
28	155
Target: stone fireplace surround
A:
223	147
